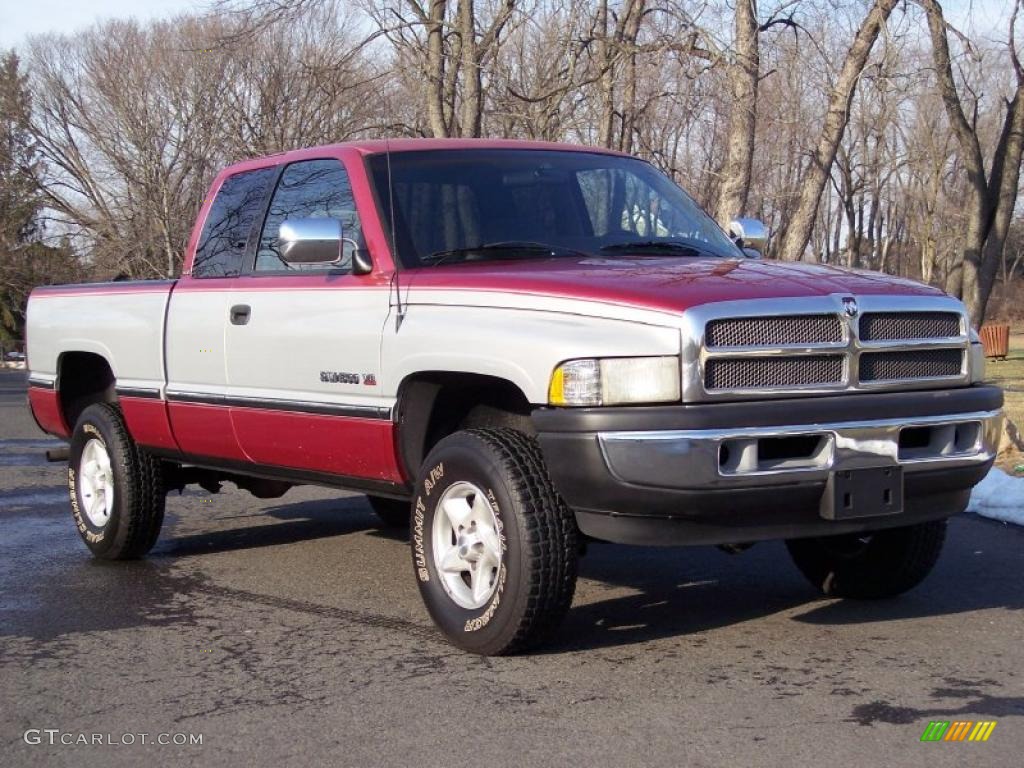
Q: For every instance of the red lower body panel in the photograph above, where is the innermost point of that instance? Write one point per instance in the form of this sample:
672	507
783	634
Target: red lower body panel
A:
337	445
204	430
45	405
148	422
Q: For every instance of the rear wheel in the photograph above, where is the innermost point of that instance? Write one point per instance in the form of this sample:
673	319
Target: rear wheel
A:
392	512
494	546
116	487
870	565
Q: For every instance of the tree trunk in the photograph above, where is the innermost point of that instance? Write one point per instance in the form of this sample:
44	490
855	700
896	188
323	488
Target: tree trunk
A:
928	259
990	201
435	70
630	34
1003	199
798	231
472	87
607	80
744	71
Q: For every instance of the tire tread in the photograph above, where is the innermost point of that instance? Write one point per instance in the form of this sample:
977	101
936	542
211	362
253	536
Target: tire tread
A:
548	538
144	493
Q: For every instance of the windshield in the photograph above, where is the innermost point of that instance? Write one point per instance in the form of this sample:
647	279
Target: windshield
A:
488	204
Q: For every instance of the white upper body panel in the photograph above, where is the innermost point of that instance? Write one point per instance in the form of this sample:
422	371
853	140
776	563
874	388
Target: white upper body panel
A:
124	327
294	335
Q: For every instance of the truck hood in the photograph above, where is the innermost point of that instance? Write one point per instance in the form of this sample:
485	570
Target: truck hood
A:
666	284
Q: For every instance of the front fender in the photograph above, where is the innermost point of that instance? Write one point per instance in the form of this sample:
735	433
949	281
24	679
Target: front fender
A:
520	346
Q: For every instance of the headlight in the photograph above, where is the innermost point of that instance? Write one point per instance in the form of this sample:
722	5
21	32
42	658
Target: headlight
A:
615	381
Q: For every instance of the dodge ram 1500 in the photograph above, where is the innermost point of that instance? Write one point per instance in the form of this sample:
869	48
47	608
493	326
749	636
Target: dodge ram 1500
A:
510	347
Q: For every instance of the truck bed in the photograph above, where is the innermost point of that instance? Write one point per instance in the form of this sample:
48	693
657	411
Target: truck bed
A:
121	321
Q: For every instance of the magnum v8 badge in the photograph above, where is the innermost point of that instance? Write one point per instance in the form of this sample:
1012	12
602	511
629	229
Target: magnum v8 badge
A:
338	377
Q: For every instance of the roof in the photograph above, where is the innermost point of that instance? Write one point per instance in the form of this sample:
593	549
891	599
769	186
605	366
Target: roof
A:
379	146
376	146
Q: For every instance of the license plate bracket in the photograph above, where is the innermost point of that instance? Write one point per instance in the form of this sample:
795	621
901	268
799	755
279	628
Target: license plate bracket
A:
855	493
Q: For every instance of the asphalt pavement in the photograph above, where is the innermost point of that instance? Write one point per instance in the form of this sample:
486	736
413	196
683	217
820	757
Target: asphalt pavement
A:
290	632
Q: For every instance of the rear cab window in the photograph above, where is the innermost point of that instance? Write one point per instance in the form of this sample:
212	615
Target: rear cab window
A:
238	204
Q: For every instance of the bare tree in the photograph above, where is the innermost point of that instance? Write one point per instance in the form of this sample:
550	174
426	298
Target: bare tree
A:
855	154
797	232
744	73
991	198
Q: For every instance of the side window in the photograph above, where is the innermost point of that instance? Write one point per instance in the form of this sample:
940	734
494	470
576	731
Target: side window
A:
311	189
228	224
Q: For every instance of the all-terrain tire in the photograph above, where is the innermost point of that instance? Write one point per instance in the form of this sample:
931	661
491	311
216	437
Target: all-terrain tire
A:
870	566
392	512
536	579
128	527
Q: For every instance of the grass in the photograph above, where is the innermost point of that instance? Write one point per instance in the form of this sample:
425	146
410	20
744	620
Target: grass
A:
1009	374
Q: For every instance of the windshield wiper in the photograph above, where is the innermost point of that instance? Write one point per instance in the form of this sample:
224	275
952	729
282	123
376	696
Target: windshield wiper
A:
670	246
515	248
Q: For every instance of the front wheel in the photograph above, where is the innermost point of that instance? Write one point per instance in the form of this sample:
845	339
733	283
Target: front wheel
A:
494	546
116	487
870	565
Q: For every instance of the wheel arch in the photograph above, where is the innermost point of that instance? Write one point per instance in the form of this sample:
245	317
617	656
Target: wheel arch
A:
433	404
83	378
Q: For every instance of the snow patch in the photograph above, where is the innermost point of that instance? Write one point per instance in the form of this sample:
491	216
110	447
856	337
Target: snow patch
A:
999	496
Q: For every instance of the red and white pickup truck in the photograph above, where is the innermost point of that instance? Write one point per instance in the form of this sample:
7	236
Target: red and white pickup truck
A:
509	347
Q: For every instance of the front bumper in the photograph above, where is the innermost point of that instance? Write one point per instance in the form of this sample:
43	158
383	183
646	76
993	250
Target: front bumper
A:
739	472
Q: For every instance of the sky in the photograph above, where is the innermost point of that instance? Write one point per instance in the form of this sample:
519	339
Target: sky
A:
21	18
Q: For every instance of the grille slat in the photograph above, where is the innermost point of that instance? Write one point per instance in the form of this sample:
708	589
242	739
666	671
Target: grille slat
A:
903	326
918	364
773	331
765	372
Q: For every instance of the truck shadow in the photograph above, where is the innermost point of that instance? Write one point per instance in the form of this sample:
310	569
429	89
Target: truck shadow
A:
304	521
627	595
655	592
685	592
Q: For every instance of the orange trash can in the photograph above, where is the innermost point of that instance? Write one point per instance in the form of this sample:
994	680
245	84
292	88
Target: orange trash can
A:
996	340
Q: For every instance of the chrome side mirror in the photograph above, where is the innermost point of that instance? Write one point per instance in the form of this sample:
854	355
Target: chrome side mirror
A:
750	235
310	241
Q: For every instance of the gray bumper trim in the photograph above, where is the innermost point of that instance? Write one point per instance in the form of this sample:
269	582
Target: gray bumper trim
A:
733	458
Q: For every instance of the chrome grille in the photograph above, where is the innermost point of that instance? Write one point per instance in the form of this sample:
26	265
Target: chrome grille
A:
815	344
773	331
767	372
916	364
901	326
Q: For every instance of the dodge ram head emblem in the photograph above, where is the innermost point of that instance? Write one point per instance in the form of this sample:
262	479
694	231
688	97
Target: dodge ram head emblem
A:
850	306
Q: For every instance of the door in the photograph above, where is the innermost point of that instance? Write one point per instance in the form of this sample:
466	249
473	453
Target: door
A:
303	369
198	313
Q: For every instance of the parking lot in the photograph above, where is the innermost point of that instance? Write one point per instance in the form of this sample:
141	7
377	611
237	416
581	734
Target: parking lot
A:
290	632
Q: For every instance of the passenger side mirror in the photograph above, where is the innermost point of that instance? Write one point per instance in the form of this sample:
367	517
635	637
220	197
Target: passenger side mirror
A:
311	241
750	235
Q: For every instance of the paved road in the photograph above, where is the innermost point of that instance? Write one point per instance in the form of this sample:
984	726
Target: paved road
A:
290	632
